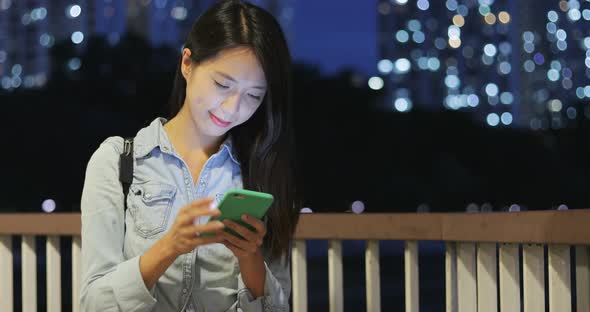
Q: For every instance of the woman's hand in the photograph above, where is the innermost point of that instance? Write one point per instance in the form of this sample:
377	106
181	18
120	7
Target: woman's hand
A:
180	239
183	236
249	246
248	252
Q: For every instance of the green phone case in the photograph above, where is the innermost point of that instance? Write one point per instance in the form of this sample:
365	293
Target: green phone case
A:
238	202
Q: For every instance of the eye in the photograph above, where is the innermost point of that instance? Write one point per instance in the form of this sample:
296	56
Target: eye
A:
256	97
219	85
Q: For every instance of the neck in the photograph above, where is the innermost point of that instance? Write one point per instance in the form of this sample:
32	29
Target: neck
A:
187	138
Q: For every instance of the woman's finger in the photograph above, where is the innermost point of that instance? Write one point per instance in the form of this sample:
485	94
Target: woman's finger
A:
240	243
238	252
209	227
243	231
255	223
198	241
194	211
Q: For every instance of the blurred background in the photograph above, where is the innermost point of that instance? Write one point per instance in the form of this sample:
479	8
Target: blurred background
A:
402	105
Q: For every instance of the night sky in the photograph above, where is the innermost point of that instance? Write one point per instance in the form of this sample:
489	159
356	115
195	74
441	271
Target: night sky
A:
330	33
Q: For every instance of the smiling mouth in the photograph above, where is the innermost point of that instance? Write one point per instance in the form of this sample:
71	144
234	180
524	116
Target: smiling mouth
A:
218	121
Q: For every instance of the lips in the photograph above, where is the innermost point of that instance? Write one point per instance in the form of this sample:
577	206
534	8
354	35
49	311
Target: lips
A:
218	121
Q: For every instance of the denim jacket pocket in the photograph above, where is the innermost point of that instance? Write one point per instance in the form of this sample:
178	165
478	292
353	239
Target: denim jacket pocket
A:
150	205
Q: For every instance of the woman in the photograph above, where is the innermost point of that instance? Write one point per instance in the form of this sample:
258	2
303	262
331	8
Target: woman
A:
229	128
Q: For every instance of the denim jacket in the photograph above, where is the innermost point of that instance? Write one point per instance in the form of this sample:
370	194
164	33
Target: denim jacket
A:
206	279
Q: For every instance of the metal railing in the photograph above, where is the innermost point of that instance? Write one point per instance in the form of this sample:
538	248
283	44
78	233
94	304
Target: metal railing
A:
478	247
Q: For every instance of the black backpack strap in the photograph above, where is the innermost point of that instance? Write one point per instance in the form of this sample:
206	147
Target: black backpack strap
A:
126	170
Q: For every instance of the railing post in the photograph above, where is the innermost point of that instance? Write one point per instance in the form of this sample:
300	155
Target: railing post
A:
451	276
533	278
335	275
76	272
299	263
29	274
487	283
6	276
373	276
53	274
509	278
560	299
466	282
412	276
583	278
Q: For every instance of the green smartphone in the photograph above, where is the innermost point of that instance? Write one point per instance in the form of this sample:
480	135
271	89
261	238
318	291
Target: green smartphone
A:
238	202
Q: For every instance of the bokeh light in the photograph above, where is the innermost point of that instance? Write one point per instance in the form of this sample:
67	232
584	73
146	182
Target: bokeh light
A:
48	205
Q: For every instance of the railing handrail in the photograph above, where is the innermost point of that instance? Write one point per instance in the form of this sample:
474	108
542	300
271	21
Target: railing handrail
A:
66	224
547	227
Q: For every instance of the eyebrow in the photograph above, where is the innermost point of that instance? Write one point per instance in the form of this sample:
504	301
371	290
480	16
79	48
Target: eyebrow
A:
228	77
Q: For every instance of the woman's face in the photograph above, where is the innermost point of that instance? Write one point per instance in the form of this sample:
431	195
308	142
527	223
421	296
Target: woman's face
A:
224	91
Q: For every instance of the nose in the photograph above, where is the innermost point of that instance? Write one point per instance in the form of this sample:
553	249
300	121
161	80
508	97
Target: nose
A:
231	104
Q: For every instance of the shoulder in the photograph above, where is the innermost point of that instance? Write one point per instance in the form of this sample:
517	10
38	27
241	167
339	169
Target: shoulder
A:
114	143
106	156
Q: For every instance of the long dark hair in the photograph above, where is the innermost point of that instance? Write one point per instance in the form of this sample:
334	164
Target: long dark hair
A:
265	143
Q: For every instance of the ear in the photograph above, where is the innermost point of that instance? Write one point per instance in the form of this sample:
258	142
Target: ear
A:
187	64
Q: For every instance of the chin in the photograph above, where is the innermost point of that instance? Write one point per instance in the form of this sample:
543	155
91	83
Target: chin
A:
207	128
215	131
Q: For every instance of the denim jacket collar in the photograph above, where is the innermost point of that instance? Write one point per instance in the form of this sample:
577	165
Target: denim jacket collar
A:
155	136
